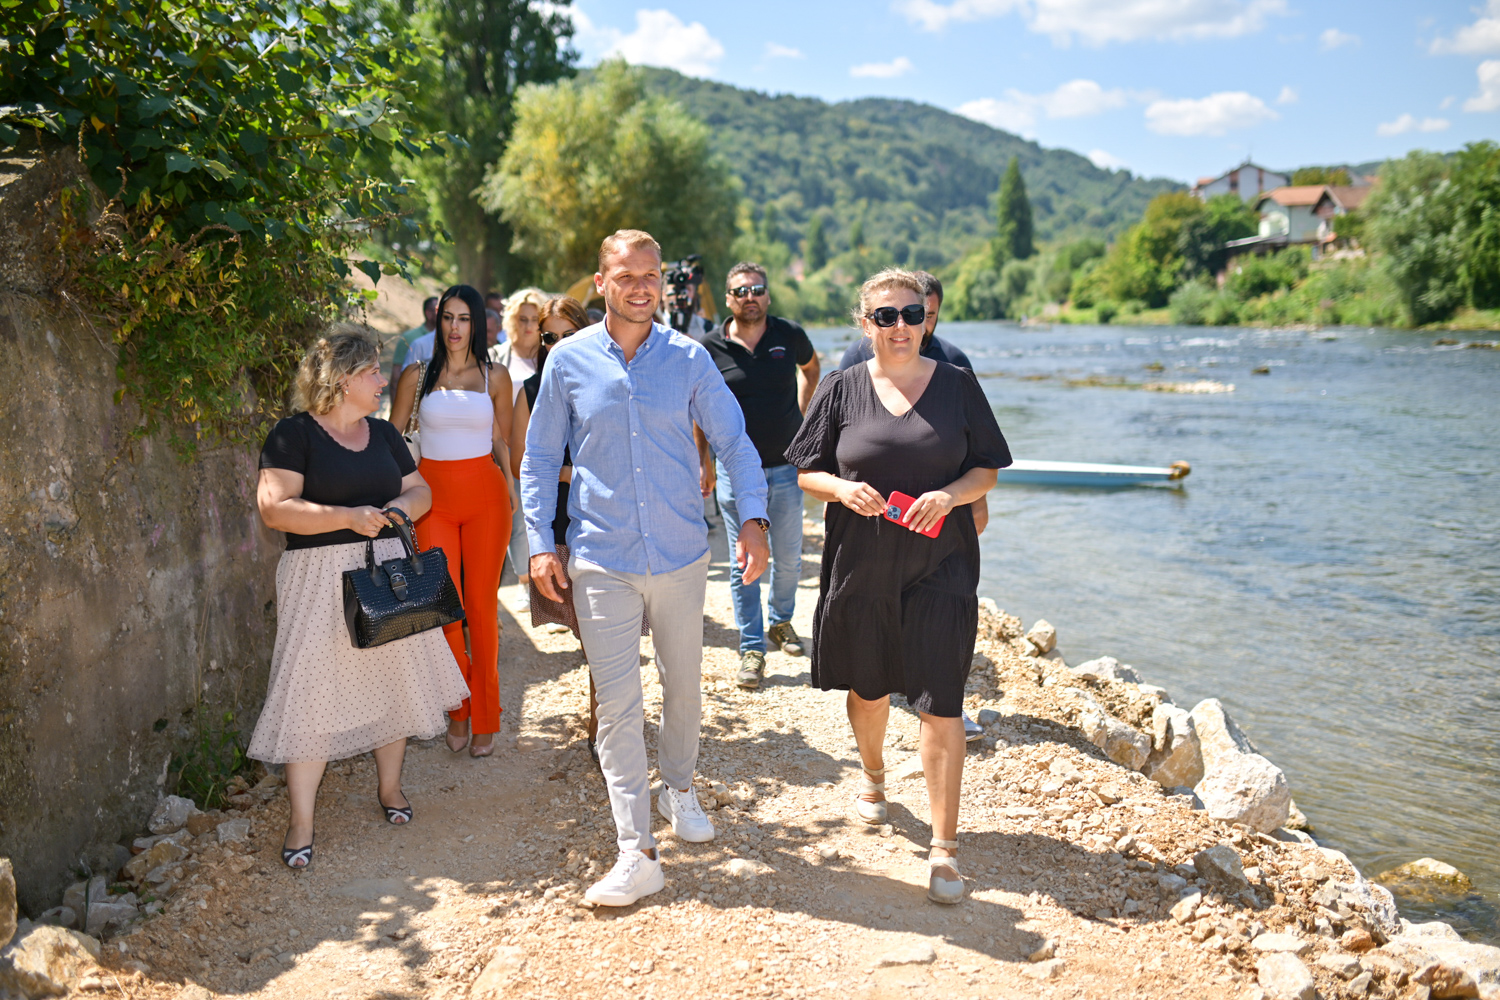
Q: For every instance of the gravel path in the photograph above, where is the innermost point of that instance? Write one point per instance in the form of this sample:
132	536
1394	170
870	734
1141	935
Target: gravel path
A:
1075	864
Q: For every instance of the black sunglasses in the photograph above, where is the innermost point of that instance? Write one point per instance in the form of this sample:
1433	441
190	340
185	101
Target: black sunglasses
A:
744	290
886	316
550	338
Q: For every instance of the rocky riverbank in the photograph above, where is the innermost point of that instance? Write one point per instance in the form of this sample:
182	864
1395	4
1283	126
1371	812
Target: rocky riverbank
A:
1115	844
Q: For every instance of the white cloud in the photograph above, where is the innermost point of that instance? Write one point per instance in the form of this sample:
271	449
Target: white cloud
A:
1408	123
1333	38
1288	95
1447	103
661	39
1018	111
1477	39
1488	98
1211	115
1105	161
898	66
936	16
1097	22
774	51
1008	115
1080	99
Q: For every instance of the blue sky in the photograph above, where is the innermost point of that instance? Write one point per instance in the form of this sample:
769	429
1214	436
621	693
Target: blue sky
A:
1172	88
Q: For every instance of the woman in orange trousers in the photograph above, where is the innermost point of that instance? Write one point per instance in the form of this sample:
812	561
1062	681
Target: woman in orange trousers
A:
463	407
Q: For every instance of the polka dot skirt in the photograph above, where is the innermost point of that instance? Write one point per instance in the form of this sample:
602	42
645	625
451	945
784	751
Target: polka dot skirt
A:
328	699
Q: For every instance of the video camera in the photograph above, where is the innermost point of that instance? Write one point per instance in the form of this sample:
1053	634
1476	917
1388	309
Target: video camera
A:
681	279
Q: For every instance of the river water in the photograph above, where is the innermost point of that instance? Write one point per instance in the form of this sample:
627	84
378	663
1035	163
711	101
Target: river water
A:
1330	569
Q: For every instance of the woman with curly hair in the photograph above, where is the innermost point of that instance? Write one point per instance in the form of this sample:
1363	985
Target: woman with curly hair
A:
331	477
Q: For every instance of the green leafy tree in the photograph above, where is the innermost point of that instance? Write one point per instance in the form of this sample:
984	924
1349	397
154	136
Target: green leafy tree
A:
1146	264
1320	175
815	254
225	137
1413	221
1476	176
1013	237
1200	243
484	52
587	157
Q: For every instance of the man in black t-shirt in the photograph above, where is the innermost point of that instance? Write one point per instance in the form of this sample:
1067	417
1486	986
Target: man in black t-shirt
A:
772	369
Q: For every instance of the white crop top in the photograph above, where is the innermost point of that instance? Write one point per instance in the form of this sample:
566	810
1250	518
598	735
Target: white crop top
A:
457	424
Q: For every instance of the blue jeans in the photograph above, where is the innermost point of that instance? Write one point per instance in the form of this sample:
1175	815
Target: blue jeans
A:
784	510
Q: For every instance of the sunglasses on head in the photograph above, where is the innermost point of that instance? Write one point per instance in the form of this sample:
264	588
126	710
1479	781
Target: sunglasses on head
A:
744	290
886	316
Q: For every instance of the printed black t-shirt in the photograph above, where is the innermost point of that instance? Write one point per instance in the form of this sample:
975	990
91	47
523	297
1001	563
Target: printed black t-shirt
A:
765	383
338	476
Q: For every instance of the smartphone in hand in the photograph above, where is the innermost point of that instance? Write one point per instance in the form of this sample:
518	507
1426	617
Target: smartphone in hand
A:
896	507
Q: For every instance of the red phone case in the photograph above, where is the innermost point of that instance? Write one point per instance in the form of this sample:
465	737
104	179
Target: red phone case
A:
899	503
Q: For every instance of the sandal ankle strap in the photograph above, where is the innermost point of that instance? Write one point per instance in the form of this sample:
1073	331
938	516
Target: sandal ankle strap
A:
947	845
877	771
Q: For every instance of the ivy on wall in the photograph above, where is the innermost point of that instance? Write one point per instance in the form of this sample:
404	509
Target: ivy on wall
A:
225	135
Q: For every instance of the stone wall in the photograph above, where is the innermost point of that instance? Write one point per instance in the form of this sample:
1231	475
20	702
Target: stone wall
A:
137	593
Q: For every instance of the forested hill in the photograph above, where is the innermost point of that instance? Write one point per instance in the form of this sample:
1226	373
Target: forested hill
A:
918	180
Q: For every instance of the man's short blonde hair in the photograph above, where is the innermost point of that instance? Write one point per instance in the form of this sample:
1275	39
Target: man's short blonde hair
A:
623	241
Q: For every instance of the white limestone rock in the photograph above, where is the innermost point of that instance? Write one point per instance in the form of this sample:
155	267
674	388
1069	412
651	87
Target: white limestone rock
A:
1245	788
1176	754
1042	636
48	961
1121	743
1106	668
172	814
1284	975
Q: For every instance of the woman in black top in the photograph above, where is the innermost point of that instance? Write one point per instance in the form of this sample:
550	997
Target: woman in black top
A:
897	610
332	476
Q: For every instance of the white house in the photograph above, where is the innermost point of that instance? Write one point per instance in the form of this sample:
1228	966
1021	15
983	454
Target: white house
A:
1247	180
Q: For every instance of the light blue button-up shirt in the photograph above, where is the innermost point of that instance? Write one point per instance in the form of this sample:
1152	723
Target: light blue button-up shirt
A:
634	505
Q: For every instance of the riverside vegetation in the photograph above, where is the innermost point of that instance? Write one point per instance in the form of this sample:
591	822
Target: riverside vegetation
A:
1093	868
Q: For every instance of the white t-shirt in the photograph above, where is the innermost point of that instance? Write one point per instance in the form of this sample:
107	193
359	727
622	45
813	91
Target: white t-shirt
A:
420	349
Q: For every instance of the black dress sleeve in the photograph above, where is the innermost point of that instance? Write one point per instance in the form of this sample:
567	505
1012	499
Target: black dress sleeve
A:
815	448
287	446
987	447
395	443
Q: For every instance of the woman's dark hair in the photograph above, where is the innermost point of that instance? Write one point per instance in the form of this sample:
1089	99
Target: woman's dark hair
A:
478	338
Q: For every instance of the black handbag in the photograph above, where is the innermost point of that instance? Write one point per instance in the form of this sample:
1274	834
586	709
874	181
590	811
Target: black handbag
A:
400	597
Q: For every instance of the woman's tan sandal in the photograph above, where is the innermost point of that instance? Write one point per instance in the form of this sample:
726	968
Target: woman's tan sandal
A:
873	813
940	889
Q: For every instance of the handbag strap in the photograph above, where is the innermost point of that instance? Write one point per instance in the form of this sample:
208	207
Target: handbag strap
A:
404	530
416	407
371	565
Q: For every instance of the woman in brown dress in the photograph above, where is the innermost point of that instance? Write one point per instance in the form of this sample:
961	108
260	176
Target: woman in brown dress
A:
897	609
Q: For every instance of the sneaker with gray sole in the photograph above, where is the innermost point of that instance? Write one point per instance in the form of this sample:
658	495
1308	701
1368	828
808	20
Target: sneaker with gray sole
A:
752	669
786	639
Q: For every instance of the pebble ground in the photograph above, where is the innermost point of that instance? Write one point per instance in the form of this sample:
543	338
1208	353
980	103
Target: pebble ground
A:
1068	858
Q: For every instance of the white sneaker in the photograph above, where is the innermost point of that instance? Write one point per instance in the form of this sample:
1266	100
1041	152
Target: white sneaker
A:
686	815
523	603
973	731
633	876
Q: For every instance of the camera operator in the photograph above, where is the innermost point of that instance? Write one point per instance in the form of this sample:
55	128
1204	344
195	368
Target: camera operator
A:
680	305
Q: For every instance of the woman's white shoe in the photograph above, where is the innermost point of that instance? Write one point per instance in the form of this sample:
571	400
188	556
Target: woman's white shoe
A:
873	813
940	889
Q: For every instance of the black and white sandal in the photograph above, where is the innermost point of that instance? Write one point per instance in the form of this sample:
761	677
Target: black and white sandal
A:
396	815
297	858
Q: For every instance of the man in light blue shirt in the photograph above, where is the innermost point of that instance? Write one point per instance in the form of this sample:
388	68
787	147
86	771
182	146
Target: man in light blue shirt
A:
623	396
